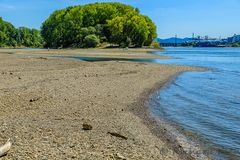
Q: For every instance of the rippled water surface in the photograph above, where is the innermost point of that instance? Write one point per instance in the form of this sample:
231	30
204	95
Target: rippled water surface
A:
206	104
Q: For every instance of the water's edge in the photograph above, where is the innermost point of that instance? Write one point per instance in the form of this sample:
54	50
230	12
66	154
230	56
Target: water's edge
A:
176	134
187	150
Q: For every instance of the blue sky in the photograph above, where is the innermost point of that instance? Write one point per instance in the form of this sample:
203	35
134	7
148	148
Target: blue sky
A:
182	17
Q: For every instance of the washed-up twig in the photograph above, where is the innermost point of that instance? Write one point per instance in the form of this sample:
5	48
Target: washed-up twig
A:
117	135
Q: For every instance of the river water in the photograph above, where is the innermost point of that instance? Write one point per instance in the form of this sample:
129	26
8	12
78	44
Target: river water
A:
205	105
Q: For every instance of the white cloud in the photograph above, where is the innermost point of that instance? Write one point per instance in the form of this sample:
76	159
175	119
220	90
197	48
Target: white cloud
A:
5	7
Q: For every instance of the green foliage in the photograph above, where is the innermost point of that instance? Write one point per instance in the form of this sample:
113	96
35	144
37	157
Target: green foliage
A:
22	37
91	41
235	45
155	45
106	22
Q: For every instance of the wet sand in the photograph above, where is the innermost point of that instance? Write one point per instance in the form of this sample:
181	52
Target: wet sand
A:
117	53
44	103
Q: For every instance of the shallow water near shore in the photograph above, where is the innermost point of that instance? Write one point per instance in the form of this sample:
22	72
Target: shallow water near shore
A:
99	59
205	105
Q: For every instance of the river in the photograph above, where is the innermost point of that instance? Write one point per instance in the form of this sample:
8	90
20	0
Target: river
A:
205	105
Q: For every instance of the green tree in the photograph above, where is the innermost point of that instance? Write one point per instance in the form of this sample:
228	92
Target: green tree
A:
21	37
110	22
125	29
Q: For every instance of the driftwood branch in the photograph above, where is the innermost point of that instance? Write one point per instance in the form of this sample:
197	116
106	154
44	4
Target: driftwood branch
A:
5	148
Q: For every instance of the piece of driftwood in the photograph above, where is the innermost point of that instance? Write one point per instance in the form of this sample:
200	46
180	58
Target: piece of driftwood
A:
117	135
5	148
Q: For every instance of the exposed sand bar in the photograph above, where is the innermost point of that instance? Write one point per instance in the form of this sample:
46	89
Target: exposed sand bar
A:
117	53
44	102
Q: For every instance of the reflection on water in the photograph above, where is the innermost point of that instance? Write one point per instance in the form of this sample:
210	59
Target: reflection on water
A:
205	103
6	53
98	59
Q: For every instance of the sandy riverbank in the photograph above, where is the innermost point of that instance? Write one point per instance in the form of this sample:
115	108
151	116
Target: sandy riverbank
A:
117	53
44	102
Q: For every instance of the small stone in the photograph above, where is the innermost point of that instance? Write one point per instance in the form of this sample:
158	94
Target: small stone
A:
71	145
87	126
74	156
34	99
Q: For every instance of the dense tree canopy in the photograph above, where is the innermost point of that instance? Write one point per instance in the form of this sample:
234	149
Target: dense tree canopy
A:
21	37
91	24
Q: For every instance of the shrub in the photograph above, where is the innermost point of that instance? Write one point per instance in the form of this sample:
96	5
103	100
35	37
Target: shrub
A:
155	45
91	41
